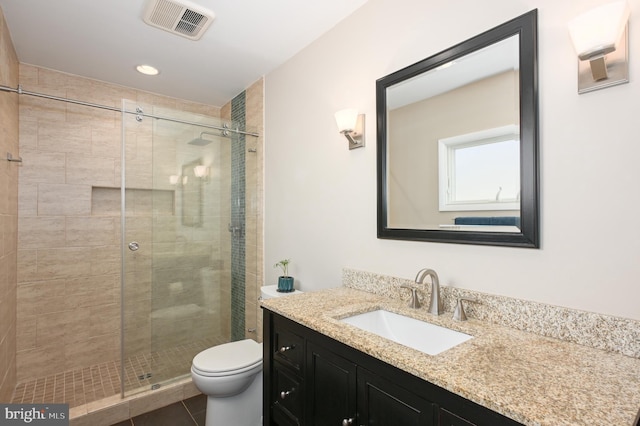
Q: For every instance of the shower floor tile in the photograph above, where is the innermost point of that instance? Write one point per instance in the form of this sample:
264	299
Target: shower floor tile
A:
84	385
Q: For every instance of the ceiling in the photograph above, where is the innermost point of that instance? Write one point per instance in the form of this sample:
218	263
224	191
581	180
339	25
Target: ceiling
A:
107	39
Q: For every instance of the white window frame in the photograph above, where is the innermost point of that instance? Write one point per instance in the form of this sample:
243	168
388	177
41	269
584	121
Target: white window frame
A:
446	172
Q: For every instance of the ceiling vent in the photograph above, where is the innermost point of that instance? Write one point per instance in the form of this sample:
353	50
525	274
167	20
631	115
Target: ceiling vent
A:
178	17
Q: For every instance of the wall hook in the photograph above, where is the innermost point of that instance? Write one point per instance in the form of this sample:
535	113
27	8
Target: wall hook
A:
13	160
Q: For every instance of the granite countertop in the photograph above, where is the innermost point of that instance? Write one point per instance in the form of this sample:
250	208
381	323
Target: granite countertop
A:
532	379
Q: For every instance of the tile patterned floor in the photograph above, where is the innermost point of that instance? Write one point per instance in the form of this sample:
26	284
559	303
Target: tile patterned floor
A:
190	412
84	385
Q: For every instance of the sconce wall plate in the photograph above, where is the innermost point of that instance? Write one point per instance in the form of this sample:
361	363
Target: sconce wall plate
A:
351	125
356	136
616	69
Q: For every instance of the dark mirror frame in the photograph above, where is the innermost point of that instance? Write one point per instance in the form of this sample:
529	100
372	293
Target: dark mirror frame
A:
526	27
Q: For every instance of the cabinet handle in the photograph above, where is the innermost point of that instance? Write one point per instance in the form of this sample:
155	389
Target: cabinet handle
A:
285	394
283	349
347	422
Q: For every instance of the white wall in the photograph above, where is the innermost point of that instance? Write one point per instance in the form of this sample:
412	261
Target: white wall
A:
320	198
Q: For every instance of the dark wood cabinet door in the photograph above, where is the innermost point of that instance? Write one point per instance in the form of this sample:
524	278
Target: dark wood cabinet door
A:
450	419
331	388
287	395
383	403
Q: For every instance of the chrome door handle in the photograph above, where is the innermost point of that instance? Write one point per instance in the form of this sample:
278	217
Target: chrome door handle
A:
134	246
347	422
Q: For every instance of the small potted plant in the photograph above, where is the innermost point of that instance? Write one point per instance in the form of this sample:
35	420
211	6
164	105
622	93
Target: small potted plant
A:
285	282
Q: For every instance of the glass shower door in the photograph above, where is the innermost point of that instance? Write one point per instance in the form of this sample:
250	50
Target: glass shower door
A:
180	245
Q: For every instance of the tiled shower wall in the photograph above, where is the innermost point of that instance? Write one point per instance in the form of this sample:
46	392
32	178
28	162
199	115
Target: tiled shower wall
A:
68	249
8	213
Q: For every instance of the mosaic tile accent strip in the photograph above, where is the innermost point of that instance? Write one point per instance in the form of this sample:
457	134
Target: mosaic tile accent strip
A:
238	213
599	331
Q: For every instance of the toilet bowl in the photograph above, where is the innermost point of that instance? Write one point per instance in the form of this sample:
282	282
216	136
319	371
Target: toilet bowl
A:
231	377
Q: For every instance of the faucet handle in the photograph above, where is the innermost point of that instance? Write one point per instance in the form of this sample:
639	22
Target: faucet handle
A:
458	313
414	302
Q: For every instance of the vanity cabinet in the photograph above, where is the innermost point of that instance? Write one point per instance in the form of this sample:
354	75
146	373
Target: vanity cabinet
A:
313	380
338	387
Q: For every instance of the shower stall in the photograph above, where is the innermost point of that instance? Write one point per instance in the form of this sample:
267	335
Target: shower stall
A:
137	242
185	216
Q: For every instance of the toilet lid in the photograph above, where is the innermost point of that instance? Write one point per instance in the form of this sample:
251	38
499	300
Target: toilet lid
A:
229	356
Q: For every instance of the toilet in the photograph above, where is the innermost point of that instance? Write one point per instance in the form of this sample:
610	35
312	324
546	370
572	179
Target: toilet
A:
231	376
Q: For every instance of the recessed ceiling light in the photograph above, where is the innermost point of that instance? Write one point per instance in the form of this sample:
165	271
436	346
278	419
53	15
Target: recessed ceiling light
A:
147	70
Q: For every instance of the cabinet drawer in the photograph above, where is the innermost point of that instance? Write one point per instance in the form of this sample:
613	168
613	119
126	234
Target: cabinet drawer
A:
287	393
289	348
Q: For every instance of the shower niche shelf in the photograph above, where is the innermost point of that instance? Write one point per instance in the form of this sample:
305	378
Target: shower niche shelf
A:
105	201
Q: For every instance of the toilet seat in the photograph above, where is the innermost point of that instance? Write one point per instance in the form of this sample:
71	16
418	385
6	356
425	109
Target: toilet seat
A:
228	359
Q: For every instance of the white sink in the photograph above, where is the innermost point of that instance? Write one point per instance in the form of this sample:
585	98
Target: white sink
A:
423	336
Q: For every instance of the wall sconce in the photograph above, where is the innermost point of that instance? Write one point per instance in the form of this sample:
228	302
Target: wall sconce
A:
600	37
351	125
173	179
202	172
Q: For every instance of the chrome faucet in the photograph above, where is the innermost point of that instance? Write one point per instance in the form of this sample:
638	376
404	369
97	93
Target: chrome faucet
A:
435	304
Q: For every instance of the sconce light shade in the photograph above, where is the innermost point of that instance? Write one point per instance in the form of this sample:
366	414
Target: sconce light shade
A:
200	171
351	125
600	39
346	119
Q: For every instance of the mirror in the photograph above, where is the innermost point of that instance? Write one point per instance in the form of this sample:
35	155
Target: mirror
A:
191	195
458	142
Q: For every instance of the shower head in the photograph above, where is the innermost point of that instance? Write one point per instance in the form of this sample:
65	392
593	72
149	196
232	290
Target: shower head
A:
200	141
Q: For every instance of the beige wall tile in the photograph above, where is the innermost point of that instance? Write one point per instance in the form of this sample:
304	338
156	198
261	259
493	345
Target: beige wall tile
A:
92	351
8	214
97	171
51	328
92	291
40	362
59	136
63	263
27	199
55	83
28	133
26	332
41	232
41	109
90	231
64	200
106	142
27	265
44	167
43	297
106	260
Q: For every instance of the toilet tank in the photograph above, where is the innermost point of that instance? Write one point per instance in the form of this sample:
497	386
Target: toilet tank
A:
271	291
